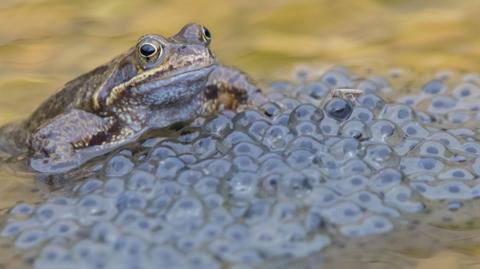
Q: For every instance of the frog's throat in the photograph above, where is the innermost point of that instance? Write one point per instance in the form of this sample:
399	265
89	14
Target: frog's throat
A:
138	79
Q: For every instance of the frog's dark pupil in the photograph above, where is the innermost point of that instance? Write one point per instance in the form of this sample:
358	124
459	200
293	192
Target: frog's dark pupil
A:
147	50
206	32
338	108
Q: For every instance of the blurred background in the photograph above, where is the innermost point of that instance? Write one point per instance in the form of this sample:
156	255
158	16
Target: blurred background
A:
45	43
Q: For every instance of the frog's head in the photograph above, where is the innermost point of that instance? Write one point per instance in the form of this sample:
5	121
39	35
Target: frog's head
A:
154	65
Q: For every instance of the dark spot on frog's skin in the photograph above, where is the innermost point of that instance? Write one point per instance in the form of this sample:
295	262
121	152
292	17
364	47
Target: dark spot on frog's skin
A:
211	92
44	151
100	137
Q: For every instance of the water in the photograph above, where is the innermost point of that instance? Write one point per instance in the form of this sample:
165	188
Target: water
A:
266	39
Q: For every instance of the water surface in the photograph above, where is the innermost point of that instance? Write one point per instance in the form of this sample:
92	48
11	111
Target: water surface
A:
43	44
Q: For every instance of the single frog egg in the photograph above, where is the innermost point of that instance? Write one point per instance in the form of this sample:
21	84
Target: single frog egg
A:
129	199
270	109
205	147
434	87
244	185
53	256
307	143
186	213
169	167
466	90
277	137
119	165
245	118
31	238
385	179
315	90
441	104
337	79
64	229
294	183
370	226
338	108
113	187
202	261
367	86
166	257
300	159
257	129
218	167
355	129
220	125
343	213
346	148
306	112
105	232
371	101
363	114
247	149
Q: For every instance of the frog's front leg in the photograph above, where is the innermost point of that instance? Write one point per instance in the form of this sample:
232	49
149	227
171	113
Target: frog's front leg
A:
57	143
229	87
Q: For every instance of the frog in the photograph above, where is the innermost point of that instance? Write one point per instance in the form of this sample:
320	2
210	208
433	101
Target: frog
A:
159	82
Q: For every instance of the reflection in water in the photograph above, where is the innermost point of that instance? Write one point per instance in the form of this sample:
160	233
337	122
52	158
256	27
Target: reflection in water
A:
60	40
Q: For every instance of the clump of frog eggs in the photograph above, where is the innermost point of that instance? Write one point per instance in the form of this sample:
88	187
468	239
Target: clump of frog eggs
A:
270	182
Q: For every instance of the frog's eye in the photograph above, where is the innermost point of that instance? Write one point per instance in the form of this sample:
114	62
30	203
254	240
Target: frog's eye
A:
150	51
206	34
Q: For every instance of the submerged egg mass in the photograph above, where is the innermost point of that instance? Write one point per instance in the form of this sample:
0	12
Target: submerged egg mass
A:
277	181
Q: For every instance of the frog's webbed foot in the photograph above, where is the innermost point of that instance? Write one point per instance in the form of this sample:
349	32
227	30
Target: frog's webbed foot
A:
228	88
56	144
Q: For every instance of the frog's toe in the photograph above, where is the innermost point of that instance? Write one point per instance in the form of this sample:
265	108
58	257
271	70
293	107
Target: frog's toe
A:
46	165
54	161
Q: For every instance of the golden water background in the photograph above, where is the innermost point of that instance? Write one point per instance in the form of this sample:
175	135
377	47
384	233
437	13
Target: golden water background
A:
45	43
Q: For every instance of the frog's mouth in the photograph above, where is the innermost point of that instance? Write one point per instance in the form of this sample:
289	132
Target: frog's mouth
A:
173	88
163	90
167	74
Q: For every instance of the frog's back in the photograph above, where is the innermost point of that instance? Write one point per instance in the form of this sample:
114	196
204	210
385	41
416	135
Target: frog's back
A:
73	94
14	136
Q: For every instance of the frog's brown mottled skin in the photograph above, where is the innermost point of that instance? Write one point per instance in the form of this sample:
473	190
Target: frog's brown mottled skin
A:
118	102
